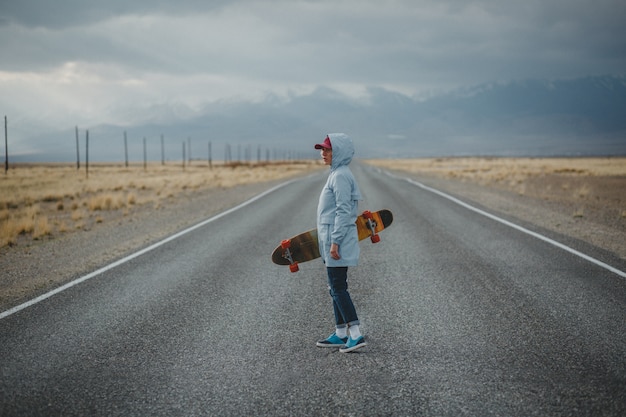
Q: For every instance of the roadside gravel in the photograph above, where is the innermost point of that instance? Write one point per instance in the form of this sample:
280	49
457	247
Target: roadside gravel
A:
600	223
38	266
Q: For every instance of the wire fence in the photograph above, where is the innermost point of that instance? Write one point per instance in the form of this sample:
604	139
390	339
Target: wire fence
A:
233	154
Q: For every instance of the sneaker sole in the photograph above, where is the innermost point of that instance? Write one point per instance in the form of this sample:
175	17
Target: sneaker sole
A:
328	345
353	348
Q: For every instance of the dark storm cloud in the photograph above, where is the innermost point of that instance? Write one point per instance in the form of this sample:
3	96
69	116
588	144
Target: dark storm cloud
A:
60	14
75	61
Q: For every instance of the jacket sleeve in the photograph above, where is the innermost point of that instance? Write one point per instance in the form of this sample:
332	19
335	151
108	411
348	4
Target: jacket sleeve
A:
344	217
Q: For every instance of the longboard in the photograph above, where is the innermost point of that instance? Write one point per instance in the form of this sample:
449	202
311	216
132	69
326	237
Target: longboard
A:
305	247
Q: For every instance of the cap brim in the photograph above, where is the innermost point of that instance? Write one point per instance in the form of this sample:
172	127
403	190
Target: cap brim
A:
322	146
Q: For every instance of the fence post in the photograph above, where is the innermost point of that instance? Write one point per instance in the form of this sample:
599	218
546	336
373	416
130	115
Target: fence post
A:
145	155
87	153
210	157
125	150
6	147
162	151
189	150
77	151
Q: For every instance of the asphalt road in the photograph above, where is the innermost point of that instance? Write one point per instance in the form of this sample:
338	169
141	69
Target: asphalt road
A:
464	315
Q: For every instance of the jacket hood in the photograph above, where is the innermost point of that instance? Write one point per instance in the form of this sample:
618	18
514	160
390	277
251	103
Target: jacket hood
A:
343	149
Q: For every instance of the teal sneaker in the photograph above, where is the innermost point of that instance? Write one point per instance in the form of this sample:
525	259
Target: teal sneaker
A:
332	341
353	344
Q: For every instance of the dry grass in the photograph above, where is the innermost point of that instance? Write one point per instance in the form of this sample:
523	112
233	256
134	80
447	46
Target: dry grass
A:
508	170
43	200
588	185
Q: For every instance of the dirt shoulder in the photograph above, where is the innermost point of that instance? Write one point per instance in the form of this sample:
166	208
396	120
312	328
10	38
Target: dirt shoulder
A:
35	266
581	198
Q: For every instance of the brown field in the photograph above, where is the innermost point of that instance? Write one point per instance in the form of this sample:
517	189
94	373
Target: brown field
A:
583	198
511	171
586	181
46	200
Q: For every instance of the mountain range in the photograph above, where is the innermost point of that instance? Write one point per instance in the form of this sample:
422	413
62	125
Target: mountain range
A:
566	117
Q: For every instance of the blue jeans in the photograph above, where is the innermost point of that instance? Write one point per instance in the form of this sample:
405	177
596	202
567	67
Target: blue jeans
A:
345	313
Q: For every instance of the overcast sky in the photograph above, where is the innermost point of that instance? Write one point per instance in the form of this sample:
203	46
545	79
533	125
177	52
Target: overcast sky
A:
85	62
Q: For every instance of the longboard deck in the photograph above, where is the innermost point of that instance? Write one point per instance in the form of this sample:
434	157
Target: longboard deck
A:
304	247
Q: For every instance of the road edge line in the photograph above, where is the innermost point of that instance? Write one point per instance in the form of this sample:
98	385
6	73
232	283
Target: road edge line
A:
512	225
134	255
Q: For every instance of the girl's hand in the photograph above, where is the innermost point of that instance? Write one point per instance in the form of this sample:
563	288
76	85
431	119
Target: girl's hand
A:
334	251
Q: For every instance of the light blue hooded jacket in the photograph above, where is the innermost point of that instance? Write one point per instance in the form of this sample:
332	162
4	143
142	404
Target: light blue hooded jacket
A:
338	206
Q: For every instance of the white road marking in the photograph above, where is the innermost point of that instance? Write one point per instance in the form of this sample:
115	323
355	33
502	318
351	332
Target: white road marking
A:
513	225
137	254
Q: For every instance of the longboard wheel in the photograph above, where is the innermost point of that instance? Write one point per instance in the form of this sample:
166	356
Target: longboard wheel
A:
294	267
375	238
285	244
367	214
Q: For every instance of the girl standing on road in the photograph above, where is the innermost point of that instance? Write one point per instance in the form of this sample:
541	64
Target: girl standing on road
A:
338	238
